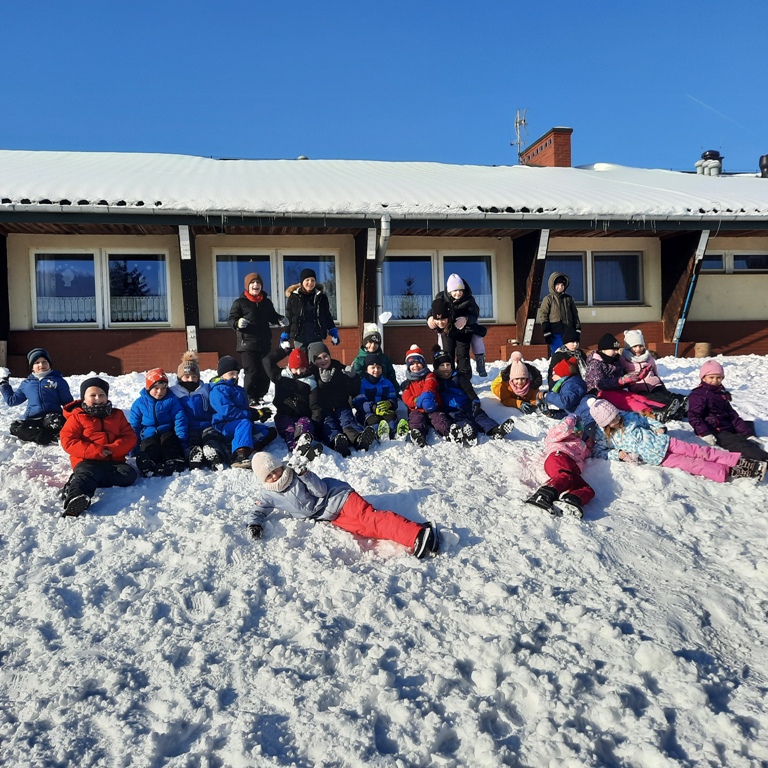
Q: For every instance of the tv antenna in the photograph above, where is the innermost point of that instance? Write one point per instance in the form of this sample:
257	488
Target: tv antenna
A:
521	129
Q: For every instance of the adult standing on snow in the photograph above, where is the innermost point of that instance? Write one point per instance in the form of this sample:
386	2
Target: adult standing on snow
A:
558	311
308	312
250	317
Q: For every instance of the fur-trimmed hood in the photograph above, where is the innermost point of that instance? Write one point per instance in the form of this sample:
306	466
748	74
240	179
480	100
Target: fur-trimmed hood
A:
319	288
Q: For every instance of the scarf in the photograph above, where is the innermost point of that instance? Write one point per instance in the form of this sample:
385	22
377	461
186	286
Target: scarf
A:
608	359
520	391
190	386
307	378
641	358
417	375
97	411
254	299
282	483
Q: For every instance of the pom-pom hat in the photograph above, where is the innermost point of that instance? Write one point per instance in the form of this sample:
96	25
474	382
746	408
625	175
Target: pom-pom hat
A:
415	353
371	333
517	368
188	365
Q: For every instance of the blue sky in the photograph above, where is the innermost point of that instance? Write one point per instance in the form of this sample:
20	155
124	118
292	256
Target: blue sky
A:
647	84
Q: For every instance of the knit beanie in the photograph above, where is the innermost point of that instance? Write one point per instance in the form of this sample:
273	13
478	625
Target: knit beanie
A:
563	368
188	365
250	277
305	273
414	353
454	283
608	341
93	381
517	368
263	465
603	412
298	358
570	334
153	377
441	356
711	366
634	338
315	349
227	364
37	353
372	359
371	333
440	309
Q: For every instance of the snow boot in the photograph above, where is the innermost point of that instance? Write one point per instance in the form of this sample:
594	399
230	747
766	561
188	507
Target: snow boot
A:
417	438
76	505
146	467
480	364
402	429
196	457
544	498
242	458
365	439
173	465
454	434
745	468
214	458
382	431
307	448
341	445
502	430
427	541
468	435
570	505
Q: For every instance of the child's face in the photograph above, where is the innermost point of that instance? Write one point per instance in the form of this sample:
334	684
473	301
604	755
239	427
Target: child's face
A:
415	366
190	377
637	349
572	345
457	294
441	322
95	396
298	372
40	365
323	360
274	475
444	370
560	287
158	390
616	423
520	382
229	375
371	346
254	287
309	284
715	379
374	369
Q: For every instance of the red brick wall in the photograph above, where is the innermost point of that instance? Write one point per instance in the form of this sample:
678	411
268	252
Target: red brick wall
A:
552	150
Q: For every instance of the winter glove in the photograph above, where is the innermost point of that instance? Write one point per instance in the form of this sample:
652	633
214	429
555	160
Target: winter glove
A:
242	323
285	340
477	406
298	463
711	439
427	402
644	371
334	332
629	378
4	374
255	531
283	322
527	408
630	457
262	414
459	323
384	408
350	371
548	339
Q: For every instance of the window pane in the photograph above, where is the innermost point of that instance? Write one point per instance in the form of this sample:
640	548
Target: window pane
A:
408	287
325	269
65	288
231	270
138	288
571	264
758	262
617	278
712	262
476	271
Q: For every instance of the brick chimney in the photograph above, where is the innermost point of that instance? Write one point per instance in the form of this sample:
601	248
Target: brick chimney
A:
552	150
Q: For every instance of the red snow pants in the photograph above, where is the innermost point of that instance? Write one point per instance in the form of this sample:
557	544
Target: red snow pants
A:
565	477
359	517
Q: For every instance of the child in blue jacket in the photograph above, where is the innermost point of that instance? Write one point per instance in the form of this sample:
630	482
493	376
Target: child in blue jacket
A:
376	405
568	392
160	425
462	404
45	392
235	418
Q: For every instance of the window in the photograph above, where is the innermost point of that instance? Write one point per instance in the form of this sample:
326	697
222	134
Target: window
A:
278	268
599	277
102	288
735	262
411	280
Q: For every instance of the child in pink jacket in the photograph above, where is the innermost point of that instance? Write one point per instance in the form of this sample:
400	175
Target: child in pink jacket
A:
566	450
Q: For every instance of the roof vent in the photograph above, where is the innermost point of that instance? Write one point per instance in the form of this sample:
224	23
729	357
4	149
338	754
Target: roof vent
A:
711	163
763	166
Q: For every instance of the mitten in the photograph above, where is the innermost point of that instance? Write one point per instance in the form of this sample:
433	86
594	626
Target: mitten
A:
427	402
4	374
644	371
242	323
632	458
711	439
477	406
334	332
283	322
285	340
263	414
629	378
459	323
350	371
255	531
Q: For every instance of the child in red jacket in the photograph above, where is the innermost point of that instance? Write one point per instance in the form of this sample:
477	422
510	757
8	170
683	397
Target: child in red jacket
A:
97	438
421	393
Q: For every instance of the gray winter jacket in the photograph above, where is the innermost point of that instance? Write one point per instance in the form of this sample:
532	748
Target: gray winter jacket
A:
308	496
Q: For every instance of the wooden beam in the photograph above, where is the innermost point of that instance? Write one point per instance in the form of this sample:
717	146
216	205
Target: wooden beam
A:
365	277
529	261
189	286
681	258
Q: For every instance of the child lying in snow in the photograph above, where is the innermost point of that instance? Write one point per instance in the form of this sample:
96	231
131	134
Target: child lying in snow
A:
305	495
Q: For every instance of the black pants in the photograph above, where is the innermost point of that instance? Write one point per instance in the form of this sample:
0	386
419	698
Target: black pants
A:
158	449
732	441
256	380
42	430
458	349
90	475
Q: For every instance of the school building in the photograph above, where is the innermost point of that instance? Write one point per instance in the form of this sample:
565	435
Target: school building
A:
121	261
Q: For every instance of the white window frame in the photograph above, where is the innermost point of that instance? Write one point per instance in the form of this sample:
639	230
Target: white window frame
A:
588	266
277	286
437	257
728	257
101	286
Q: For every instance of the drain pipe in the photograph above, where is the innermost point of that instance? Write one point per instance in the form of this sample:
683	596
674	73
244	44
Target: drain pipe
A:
381	252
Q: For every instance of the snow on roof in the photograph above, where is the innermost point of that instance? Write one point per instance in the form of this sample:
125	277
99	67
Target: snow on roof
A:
142	182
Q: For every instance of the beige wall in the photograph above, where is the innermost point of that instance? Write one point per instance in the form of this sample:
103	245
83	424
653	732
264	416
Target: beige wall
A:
650	310
732	297
20	267
344	245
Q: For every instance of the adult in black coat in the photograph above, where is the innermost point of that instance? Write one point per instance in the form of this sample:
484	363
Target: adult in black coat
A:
250	317
308	312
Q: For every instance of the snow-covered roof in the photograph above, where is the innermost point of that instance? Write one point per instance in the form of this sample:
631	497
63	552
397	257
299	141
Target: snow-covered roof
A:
154	183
